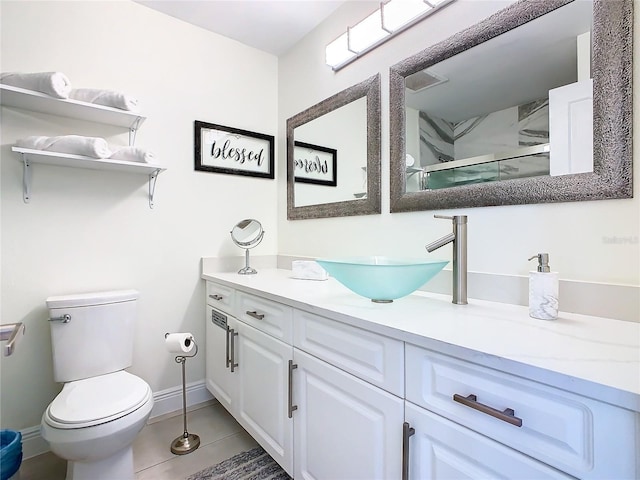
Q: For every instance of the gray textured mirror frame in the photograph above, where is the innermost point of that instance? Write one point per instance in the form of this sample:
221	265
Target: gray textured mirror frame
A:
370	89
612	110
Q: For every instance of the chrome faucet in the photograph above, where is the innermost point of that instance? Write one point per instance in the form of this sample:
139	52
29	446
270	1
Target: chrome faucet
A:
459	239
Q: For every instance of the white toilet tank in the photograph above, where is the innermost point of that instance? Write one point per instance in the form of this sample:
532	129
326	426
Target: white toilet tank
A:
98	336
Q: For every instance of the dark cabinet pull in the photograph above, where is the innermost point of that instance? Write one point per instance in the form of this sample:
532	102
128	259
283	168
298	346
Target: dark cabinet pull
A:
255	314
216	297
227	347
232	334
292	407
407	432
508	415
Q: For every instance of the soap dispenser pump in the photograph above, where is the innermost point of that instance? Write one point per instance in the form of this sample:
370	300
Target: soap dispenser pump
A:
543	290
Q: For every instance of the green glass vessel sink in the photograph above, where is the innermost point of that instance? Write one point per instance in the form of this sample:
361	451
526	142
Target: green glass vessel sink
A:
382	279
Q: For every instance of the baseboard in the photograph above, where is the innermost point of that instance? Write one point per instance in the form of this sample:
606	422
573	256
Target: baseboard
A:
164	402
32	443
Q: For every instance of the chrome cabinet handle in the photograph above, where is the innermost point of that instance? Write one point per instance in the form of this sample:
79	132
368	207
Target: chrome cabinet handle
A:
216	297
407	432
227	347
255	314
66	318
292	407
233	333
508	415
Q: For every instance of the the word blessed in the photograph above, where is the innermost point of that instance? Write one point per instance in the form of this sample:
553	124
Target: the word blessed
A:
240	155
313	165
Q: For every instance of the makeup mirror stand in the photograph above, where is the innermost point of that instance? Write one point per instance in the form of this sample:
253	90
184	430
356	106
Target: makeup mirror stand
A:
247	234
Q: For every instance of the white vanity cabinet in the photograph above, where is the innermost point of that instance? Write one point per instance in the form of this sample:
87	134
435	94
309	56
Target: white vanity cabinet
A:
441	449
347	424
261	403
347	390
334	389
449	399
248	372
220	380
345	428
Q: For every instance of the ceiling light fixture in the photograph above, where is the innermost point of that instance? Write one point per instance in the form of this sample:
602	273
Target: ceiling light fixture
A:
391	18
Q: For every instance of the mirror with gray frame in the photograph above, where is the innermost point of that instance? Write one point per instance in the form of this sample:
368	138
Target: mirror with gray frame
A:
531	105
333	155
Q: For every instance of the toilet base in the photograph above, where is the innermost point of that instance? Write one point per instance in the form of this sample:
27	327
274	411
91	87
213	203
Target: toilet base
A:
119	465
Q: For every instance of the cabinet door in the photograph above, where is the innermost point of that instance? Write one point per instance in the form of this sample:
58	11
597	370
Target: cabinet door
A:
344	427
261	407
221	382
441	449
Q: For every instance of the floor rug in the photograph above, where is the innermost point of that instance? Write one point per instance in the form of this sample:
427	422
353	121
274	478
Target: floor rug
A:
255	464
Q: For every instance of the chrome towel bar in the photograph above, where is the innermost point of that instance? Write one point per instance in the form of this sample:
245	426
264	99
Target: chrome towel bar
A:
11	333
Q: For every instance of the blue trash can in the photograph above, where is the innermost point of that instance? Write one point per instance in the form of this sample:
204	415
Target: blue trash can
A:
10	453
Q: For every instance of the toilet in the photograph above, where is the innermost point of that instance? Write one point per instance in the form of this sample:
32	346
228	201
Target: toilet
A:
94	420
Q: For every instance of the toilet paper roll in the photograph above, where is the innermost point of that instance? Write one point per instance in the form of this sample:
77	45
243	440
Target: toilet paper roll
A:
179	342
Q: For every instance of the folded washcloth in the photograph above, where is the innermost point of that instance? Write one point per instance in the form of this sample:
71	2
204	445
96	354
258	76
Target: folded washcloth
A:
93	147
55	84
108	98
133	154
308	270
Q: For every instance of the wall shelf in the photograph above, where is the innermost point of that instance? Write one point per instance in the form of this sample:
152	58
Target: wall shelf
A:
30	157
39	102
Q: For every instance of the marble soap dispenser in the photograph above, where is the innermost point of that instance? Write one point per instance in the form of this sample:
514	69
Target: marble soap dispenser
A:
543	290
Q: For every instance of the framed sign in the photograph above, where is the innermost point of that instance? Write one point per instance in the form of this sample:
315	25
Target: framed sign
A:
315	164
233	151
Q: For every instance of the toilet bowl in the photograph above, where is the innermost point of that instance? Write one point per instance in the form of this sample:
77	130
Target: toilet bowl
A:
92	424
94	420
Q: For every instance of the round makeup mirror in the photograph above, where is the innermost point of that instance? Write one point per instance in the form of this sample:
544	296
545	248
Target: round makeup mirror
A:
247	234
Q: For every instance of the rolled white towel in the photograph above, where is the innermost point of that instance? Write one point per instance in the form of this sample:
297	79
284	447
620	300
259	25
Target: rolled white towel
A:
94	147
108	98
55	84
133	154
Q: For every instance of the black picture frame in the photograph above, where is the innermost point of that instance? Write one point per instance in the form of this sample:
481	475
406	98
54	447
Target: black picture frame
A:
309	160
233	151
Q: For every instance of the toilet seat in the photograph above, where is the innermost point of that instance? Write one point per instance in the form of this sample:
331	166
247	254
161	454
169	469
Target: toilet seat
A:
96	400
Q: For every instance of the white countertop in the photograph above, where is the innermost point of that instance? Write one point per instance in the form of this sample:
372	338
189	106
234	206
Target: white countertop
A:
593	356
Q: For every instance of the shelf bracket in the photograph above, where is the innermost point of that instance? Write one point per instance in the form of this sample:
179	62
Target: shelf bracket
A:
26	179
153	178
133	130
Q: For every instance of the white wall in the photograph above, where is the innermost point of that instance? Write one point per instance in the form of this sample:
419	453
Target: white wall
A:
90	230
587	241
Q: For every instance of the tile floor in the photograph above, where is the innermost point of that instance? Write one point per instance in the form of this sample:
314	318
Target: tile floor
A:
221	437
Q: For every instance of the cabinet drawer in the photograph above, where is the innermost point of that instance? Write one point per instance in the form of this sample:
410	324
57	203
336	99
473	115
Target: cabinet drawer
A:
374	358
573	433
220	297
442	449
268	316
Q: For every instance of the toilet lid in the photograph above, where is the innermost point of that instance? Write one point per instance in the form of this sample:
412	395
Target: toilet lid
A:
99	399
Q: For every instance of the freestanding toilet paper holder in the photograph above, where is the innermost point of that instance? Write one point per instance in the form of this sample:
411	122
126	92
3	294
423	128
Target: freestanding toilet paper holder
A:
187	442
